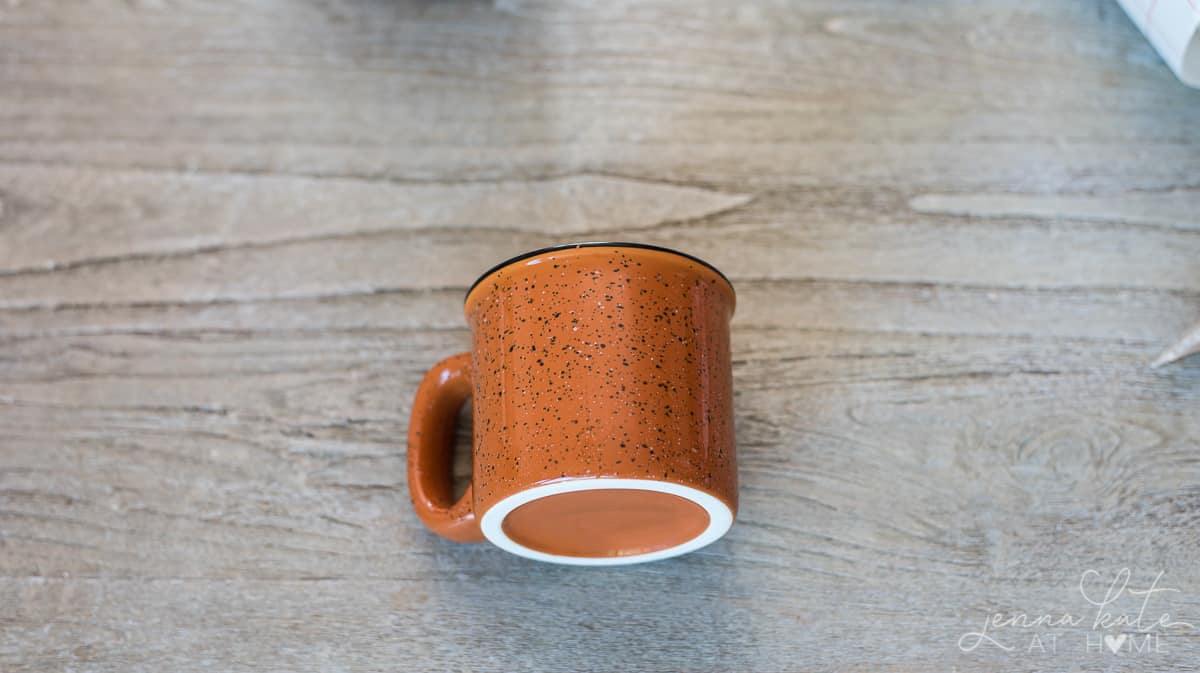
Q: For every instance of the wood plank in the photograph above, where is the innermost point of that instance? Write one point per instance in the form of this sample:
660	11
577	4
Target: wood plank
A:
873	94
232	455
715	620
985	254
1133	316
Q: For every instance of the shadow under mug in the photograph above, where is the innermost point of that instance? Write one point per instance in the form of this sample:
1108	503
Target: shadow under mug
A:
602	401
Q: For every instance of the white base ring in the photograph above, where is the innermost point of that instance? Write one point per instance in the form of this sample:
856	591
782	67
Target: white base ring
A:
720	518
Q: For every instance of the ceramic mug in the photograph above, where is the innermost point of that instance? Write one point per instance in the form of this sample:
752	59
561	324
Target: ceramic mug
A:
602	401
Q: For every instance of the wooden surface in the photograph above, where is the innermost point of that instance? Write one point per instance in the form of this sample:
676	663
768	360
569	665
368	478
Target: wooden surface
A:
233	236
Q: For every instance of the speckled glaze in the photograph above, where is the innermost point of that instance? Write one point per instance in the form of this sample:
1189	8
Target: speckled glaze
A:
593	362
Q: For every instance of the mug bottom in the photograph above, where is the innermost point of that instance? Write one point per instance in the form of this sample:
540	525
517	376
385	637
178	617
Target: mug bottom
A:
606	521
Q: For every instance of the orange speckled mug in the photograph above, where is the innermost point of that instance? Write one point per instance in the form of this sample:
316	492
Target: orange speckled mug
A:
602	401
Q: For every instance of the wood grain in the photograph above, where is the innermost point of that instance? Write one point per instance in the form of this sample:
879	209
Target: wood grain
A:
234	234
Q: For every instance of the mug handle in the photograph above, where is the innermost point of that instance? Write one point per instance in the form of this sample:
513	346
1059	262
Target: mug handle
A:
431	451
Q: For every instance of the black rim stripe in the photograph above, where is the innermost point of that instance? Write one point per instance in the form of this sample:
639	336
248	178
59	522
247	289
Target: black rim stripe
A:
595	244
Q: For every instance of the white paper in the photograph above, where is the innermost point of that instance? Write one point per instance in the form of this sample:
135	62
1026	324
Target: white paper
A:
1170	25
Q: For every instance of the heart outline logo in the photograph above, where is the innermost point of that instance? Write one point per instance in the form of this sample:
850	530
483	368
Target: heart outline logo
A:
1114	643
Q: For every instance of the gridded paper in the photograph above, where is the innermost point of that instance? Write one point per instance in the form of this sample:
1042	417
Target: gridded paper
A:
1170	26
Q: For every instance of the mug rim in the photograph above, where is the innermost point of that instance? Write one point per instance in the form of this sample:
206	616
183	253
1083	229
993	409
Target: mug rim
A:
597	244
720	518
